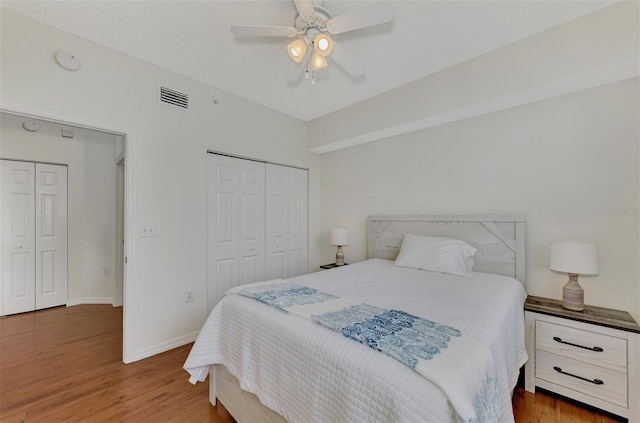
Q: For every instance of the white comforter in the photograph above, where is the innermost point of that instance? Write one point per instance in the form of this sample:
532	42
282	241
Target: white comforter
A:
307	373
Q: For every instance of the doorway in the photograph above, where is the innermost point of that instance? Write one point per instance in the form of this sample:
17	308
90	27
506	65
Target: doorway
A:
120	240
95	259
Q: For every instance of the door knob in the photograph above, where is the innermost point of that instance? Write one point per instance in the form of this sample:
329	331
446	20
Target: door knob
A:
18	247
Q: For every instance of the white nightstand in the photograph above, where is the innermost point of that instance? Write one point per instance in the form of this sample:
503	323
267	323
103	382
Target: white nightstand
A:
592	356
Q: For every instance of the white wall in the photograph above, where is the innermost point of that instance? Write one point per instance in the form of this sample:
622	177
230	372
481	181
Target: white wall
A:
169	145
598	48
91	198
563	162
100	214
421	129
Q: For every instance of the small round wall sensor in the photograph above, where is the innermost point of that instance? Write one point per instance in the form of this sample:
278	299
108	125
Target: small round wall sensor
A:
30	125
67	60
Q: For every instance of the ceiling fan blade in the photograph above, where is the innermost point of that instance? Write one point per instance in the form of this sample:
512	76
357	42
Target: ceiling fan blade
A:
375	14
347	61
263	31
305	8
294	71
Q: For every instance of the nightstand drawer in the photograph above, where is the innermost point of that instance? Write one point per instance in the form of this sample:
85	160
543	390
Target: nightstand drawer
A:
554	368
590	347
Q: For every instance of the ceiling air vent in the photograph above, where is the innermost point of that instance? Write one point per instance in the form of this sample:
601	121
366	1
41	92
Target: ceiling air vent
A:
173	98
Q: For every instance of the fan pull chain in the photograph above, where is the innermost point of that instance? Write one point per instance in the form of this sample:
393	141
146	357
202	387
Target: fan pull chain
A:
310	68
313	69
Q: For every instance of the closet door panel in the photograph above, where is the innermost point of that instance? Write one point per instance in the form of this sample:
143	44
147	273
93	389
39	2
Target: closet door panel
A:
225	275
251	228
277	203
222	210
278	265
17	215
286	222
51	235
297	181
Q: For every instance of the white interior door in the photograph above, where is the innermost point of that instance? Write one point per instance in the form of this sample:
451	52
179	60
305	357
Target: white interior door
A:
251	222
277	203
257	223
51	235
17	214
298	203
222	210
287	207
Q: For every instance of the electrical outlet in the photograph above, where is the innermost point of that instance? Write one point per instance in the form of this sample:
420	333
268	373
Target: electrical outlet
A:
147	231
189	295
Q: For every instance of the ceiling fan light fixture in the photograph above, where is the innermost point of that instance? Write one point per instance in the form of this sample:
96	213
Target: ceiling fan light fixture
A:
323	44
311	35
319	62
297	49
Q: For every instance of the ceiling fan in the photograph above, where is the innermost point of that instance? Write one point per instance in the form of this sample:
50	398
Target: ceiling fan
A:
313	27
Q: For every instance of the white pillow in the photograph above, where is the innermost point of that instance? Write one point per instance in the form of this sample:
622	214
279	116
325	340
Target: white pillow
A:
436	254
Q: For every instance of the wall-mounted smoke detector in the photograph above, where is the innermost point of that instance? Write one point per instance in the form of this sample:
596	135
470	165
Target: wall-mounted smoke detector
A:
30	125
173	98
67	60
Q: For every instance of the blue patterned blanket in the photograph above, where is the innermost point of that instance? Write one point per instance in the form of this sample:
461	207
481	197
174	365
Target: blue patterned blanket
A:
459	365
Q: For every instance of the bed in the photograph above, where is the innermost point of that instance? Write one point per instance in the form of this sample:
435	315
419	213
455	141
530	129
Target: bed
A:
266	365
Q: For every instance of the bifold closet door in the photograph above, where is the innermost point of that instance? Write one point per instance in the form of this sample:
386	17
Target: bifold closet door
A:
34	236
51	235
286	193
236	224
17	220
251	221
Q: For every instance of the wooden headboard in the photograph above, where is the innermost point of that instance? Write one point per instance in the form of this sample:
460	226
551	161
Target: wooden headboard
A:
500	239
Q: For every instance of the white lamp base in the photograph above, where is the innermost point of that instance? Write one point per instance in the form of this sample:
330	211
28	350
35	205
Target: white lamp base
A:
573	294
339	256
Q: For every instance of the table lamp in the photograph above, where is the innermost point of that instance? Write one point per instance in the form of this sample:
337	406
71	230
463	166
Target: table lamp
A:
575	258
339	237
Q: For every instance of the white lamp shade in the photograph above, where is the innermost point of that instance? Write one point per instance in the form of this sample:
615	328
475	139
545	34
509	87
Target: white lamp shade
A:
323	44
339	236
574	257
297	49
319	62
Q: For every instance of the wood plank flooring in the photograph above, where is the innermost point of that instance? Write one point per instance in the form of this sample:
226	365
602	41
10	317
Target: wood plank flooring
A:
544	407
65	365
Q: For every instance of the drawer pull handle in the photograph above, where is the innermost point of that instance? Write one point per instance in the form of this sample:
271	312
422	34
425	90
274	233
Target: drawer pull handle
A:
596	349
594	381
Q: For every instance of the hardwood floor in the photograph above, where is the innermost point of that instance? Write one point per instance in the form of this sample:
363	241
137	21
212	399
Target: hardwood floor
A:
544	407
64	364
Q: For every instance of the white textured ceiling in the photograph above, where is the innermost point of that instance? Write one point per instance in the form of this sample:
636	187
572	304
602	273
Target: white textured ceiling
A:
192	38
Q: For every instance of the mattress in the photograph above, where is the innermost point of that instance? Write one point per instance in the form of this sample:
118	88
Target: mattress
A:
308	373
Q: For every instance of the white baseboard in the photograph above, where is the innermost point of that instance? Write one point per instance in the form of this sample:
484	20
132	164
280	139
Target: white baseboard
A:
165	346
89	300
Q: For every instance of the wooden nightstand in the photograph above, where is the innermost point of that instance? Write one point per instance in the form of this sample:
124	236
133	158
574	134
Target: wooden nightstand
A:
592	356
332	266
